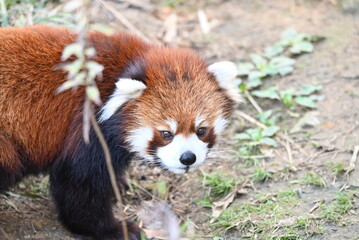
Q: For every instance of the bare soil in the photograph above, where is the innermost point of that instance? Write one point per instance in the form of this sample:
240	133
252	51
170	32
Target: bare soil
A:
238	29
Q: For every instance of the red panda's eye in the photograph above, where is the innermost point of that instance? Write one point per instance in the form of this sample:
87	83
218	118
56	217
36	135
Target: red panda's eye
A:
201	132
167	135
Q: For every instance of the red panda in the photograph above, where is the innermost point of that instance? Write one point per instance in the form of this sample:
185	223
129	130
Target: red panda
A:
162	104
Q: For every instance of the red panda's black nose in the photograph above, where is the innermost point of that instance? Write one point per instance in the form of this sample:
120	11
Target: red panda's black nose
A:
188	158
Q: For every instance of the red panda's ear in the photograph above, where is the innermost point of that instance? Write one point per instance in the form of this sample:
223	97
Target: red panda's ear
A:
126	90
225	73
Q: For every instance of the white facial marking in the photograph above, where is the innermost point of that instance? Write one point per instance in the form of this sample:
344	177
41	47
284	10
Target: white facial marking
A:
162	128
199	120
173	125
225	73
126	89
219	125
171	153
139	139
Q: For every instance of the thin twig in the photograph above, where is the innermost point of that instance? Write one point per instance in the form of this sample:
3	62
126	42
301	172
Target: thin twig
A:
252	101
250	119
123	19
111	172
291	141
289	151
353	159
37	210
316	206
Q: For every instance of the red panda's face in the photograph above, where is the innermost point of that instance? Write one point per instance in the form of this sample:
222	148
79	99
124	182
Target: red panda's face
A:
178	109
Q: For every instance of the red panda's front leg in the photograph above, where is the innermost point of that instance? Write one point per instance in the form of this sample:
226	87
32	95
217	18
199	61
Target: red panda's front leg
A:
81	188
11	168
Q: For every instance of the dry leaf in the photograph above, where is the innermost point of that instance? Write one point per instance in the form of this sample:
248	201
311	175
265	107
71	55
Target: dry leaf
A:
219	206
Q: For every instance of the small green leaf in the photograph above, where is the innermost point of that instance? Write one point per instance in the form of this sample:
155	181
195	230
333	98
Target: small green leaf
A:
271	70
255	133
268	141
301	47
242	136
285	70
265	116
258	60
254	82
270	131
273	51
243	87
271	93
289	34
245	68
287	97
282	61
184	226
317	97
305	101
162	188
309	89
256	74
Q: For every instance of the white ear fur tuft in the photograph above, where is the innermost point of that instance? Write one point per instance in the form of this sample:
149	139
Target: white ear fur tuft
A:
225	73
126	89
130	86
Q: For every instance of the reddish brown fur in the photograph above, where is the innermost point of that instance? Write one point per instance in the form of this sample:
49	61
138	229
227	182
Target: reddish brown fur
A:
179	87
183	90
31	114
39	127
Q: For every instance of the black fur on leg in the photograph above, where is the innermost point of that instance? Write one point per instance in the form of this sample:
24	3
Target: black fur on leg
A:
7	179
82	191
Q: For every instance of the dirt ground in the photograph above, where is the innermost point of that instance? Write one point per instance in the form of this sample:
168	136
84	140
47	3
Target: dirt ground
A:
240	28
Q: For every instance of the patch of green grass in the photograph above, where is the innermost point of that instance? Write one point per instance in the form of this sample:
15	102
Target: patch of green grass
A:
311	178
261	215
261	175
286	237
341	205
227	219
206	201
308	135
33	187
219	184
336	168
270	216
247	151
25	12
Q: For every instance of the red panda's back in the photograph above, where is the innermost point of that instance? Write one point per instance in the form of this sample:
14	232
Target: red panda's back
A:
31	115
